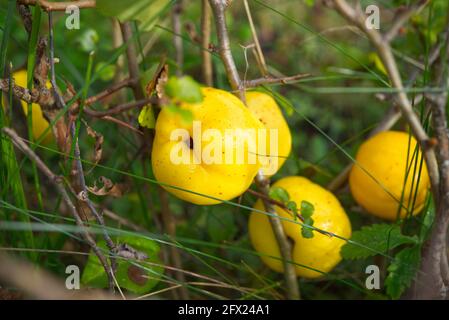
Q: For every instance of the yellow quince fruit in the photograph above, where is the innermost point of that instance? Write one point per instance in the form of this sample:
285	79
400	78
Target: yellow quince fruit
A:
378	178
265	108
214	155
313	256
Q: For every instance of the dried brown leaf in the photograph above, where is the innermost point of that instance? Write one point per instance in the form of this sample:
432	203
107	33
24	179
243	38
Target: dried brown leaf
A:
107	188
159	80
98	149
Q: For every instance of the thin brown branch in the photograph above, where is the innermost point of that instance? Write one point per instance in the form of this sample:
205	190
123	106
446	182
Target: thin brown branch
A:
177	39
207	69
218	8
122	124
118	109
59	6
131	55
259	55
270	80
112	89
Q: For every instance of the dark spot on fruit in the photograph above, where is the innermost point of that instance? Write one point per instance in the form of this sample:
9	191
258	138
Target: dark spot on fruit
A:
137	275
291	241
189	143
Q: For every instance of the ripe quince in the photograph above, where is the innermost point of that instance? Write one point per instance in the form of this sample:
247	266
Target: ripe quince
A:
321	252
265	108
388	171
207	155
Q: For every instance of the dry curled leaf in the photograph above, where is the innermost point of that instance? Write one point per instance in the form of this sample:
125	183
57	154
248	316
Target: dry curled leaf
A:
107	188
99	139
159	80
126	251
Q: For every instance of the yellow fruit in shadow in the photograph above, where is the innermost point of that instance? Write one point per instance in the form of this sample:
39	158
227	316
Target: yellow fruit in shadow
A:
265	108
40	124
321	252
182	155
377	179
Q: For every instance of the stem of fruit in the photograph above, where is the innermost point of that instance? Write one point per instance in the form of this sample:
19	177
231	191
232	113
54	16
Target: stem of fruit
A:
218	9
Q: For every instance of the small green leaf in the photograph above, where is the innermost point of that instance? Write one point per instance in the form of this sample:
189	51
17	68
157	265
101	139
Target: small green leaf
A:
402	271
88	40
105	71
186	115
307	232
184	88
279	194
307	209
375	239
146	117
